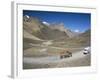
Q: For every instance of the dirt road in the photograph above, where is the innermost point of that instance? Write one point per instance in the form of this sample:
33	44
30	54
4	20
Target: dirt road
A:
77	59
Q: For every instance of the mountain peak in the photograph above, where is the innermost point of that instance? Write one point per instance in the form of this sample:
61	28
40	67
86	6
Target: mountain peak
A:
57	26
27	16
45	23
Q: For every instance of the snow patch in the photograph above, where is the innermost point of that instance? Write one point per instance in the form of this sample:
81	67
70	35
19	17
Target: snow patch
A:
46	23
76	31
27	16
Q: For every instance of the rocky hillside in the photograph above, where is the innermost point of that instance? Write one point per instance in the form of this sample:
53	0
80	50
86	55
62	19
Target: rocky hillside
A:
36	31
40	30
83	39
61	27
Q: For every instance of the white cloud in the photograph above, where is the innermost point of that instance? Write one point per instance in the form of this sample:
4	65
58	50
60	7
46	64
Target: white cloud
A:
76	30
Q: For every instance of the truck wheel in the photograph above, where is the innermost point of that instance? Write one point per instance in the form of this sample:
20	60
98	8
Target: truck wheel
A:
61	57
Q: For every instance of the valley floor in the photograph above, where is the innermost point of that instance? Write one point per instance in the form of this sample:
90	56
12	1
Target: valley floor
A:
53	61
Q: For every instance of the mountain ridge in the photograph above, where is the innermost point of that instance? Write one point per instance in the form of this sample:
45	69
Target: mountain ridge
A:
40	28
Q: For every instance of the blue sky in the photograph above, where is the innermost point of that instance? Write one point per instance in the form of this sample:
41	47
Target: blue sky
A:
78	22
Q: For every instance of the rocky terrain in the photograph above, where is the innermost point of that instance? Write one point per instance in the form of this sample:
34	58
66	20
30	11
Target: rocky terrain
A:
42	40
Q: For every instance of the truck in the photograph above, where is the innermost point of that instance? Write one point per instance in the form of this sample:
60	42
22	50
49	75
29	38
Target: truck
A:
65	54
86	50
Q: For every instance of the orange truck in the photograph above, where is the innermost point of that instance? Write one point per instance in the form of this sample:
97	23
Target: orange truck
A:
65	54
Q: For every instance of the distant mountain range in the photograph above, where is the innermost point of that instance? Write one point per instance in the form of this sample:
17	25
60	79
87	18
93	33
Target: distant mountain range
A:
46	31
36	31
